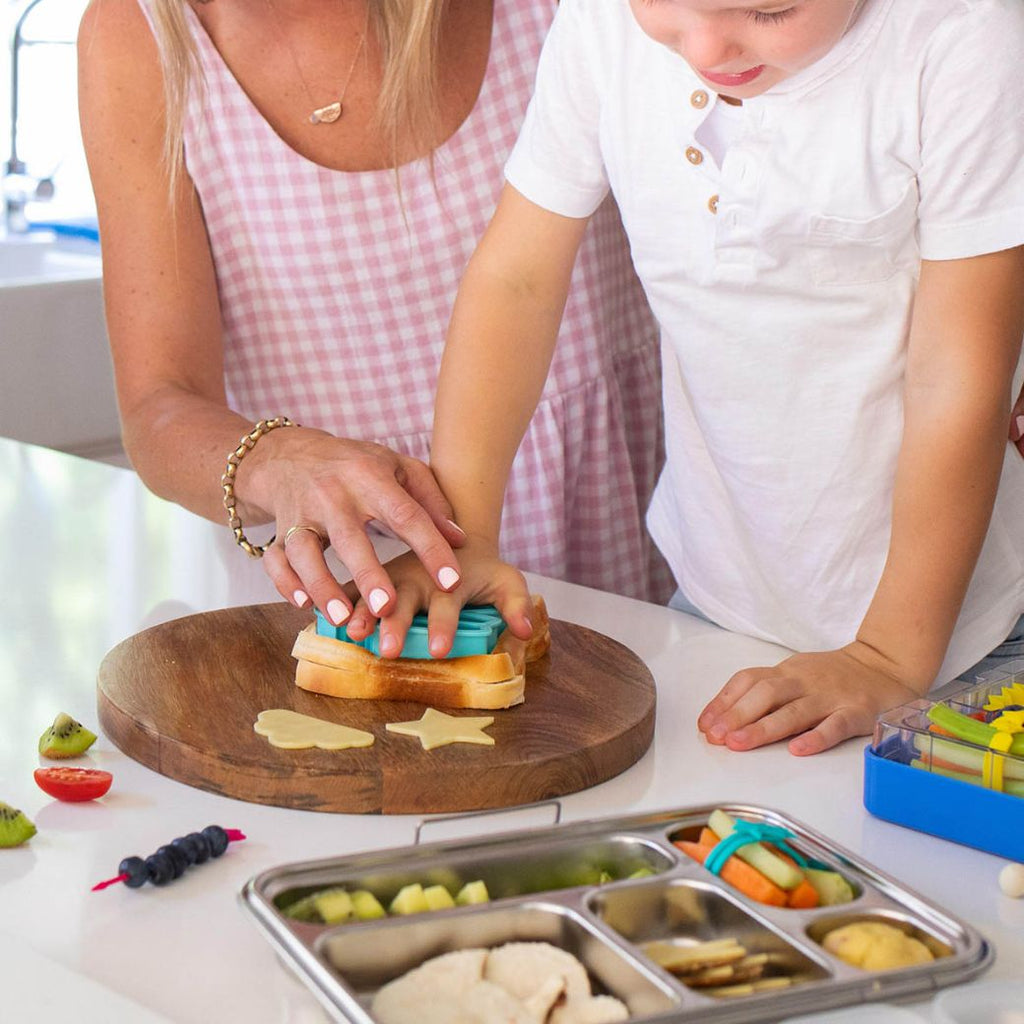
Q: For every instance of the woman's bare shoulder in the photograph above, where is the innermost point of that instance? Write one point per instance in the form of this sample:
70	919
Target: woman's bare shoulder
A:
116	46
120	82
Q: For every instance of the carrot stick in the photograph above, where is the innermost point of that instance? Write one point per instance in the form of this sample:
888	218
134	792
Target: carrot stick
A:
739	874
938	762
803	897
708	838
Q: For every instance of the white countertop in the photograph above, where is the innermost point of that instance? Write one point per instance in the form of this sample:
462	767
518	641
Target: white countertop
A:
92	558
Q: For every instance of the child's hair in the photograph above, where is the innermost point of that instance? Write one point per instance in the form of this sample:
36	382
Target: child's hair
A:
407	31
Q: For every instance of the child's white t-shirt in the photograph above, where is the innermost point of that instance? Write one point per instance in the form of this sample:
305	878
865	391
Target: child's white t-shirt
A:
783	281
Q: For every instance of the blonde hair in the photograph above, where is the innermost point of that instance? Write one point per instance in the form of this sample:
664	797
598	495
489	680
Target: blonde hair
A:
408	34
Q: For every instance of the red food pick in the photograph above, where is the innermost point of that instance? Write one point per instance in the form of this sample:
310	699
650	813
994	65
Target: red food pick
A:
73	784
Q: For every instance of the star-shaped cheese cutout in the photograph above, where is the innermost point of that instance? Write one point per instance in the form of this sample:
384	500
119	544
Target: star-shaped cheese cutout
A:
436	729
291	731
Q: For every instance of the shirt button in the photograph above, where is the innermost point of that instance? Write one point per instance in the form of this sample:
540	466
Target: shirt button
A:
695	156
699	98
713	203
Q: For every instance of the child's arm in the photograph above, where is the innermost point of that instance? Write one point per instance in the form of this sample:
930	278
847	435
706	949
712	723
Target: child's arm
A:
499	346
964	344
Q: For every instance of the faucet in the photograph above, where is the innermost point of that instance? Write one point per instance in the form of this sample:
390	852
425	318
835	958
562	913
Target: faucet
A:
19	187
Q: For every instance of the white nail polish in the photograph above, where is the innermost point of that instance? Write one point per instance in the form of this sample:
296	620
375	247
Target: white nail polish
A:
337	611
378	598
457	527
301	598
1020	425
447	577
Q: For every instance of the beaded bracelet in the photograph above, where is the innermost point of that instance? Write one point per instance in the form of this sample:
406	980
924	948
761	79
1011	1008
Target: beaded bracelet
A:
245	444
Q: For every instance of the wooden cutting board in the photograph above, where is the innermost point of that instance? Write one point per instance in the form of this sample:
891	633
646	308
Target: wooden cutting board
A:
182	698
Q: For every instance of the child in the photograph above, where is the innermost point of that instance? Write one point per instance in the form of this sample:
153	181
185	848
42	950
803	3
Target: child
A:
825	204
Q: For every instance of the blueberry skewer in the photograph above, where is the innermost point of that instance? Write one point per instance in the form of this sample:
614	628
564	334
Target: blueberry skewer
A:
170	861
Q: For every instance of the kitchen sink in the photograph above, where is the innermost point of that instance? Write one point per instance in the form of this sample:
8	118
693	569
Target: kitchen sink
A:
57	381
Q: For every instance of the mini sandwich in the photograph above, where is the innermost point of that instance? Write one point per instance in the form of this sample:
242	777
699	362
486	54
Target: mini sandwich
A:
341	668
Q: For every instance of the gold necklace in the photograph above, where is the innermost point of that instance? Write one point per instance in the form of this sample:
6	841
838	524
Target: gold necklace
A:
330	113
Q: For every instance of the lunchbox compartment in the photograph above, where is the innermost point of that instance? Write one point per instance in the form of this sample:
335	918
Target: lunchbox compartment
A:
821	928
686	915
365	959
690	832
514	868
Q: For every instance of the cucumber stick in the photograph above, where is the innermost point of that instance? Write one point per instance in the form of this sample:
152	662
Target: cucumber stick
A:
970	759
781	872
970	729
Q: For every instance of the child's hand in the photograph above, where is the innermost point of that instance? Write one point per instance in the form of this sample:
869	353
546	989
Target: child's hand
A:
485	580
820	699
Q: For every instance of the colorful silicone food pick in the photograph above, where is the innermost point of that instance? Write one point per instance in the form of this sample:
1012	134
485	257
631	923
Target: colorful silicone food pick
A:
477	633
746	832
1005	727
1010	698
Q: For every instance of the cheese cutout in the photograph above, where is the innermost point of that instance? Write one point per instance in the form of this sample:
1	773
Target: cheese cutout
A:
436	729
291	731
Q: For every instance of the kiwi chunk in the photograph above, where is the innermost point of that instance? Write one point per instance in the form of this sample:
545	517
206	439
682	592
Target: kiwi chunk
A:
333	905
15	828
366	906
65	738
438	897
304	909
410	900
472	892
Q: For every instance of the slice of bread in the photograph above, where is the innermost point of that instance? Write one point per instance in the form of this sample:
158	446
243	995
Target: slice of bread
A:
487	681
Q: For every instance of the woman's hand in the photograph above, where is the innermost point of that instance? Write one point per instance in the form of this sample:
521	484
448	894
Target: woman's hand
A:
486	580
820	699
332	488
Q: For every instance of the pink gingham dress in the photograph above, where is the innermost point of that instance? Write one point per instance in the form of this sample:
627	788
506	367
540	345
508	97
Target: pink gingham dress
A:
335	303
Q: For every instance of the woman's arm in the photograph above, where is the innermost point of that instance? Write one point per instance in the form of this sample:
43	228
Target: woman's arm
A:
164	326
964	345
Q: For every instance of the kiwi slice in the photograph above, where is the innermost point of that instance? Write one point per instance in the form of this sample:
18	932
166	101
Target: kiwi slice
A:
65	738
15	828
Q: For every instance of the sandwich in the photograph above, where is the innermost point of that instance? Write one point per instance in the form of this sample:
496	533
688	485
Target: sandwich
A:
338	668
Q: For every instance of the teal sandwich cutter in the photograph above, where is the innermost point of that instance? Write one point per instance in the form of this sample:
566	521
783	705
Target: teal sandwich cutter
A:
477	633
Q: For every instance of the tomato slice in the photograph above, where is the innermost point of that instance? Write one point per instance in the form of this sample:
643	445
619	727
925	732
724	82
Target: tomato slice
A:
73	784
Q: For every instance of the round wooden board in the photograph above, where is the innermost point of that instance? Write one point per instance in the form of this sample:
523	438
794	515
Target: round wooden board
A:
182	697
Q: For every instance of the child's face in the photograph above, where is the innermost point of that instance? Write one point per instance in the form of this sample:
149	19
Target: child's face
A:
743	47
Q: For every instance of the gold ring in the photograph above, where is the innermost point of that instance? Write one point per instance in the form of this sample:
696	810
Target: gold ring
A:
302	526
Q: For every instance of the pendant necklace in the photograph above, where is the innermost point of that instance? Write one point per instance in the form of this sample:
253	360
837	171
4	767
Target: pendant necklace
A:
332	111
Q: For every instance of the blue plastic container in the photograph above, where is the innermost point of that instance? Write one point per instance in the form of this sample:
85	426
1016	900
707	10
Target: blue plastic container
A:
923	799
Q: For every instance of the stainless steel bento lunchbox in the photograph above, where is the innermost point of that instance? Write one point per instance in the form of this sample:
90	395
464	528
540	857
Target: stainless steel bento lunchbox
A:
610	891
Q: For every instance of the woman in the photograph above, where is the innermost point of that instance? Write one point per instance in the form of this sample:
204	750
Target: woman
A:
331	165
